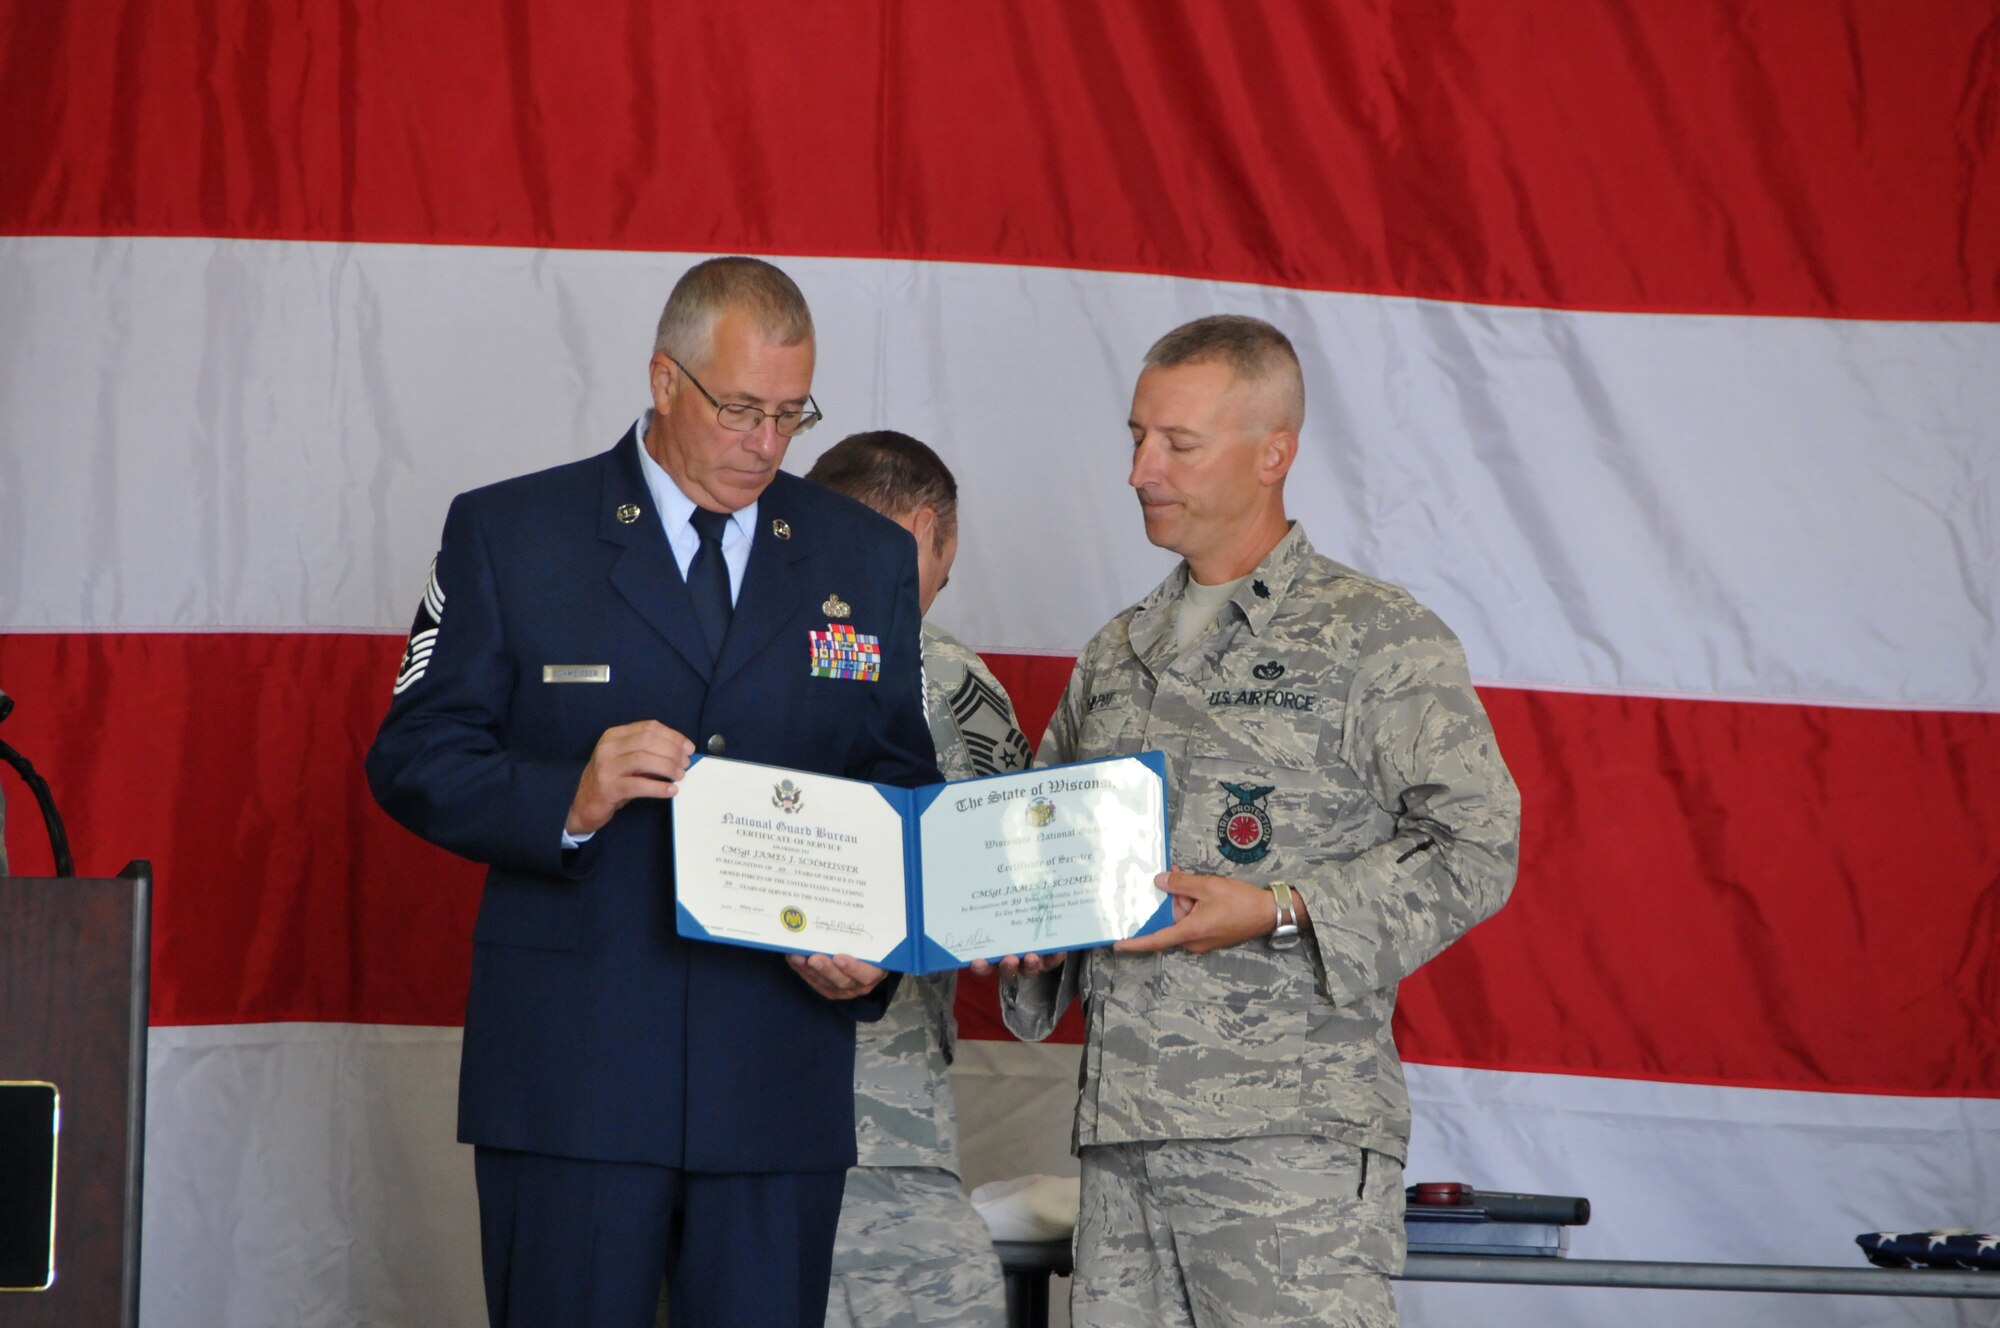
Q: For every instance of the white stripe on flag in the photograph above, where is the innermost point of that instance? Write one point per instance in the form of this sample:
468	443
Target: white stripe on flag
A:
306	1174
264	436
1689	1172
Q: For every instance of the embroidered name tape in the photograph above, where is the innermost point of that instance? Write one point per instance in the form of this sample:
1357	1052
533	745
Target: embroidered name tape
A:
841	652
576	673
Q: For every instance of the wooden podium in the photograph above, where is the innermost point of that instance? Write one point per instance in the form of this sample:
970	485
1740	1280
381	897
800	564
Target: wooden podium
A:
73	986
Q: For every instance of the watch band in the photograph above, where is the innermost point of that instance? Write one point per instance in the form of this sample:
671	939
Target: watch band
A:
1285	935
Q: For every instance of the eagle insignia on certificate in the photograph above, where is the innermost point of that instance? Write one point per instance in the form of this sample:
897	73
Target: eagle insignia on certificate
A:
787	797
842	652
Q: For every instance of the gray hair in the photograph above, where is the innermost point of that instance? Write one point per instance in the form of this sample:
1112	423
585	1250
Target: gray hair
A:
894	474
1254	350
687	324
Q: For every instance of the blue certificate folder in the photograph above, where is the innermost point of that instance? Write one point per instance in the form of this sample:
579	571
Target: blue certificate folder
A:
1031	861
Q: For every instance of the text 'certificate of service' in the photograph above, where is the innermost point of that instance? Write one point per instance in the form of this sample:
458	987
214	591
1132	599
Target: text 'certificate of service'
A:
921	880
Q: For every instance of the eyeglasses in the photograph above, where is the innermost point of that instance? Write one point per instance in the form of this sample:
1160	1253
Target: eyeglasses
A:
749	419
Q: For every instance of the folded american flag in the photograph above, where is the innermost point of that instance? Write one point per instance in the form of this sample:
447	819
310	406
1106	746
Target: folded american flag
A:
1931	1249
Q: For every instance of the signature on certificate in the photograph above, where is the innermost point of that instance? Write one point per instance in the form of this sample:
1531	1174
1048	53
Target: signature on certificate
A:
970	943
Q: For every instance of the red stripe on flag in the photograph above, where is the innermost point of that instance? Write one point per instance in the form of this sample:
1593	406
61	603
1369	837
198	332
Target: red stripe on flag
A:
1715	892
1034	683
1735	893
1810	159
233	763
1748	894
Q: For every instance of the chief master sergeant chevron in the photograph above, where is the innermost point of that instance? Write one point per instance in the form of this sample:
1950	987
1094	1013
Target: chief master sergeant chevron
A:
645	1107
1340	814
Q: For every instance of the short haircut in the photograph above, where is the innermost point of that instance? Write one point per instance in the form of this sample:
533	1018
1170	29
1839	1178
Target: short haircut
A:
687	324
1254	350
892	473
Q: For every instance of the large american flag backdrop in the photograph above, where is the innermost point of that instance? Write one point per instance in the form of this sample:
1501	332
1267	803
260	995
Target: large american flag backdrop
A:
1653	344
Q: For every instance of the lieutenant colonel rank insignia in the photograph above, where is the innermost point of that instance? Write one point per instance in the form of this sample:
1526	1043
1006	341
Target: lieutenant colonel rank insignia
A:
1243	832
841	652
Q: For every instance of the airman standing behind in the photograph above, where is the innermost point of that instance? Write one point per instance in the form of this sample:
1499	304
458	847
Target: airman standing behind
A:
910	1251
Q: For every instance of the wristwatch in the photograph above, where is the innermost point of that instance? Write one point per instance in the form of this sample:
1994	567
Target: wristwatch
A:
1286	934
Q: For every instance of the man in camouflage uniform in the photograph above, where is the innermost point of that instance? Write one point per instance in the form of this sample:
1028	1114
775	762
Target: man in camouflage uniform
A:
1340	814
910	1250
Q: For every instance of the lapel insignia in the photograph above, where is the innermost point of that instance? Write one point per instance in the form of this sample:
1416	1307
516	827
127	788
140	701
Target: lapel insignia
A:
835	607
1263	591
627	513
781	528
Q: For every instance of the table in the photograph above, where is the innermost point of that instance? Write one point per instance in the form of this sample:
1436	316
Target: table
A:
1026	1266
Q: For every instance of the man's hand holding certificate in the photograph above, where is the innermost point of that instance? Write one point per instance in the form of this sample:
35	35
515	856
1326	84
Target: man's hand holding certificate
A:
920	880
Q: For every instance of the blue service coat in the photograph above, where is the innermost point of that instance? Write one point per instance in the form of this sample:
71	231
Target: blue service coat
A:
592	1029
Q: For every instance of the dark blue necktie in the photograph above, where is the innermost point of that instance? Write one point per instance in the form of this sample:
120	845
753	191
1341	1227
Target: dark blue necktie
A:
708	579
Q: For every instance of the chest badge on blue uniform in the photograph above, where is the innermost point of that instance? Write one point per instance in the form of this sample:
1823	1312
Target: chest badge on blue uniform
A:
842	652
835	607
1243	832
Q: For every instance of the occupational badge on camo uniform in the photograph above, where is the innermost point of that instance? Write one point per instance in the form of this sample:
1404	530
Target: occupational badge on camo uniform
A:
1243	832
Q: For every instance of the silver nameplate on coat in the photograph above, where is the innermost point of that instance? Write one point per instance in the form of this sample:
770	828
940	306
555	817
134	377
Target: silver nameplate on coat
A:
576	673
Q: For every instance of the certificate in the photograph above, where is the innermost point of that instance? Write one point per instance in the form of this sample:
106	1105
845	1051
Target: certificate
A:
926	879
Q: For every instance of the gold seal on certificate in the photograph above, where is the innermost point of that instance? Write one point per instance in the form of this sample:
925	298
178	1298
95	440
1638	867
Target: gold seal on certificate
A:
920	880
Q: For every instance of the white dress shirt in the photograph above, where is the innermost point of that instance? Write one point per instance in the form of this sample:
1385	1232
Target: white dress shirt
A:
676	511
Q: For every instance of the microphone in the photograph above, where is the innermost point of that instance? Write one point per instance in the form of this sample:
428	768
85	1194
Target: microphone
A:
51	819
